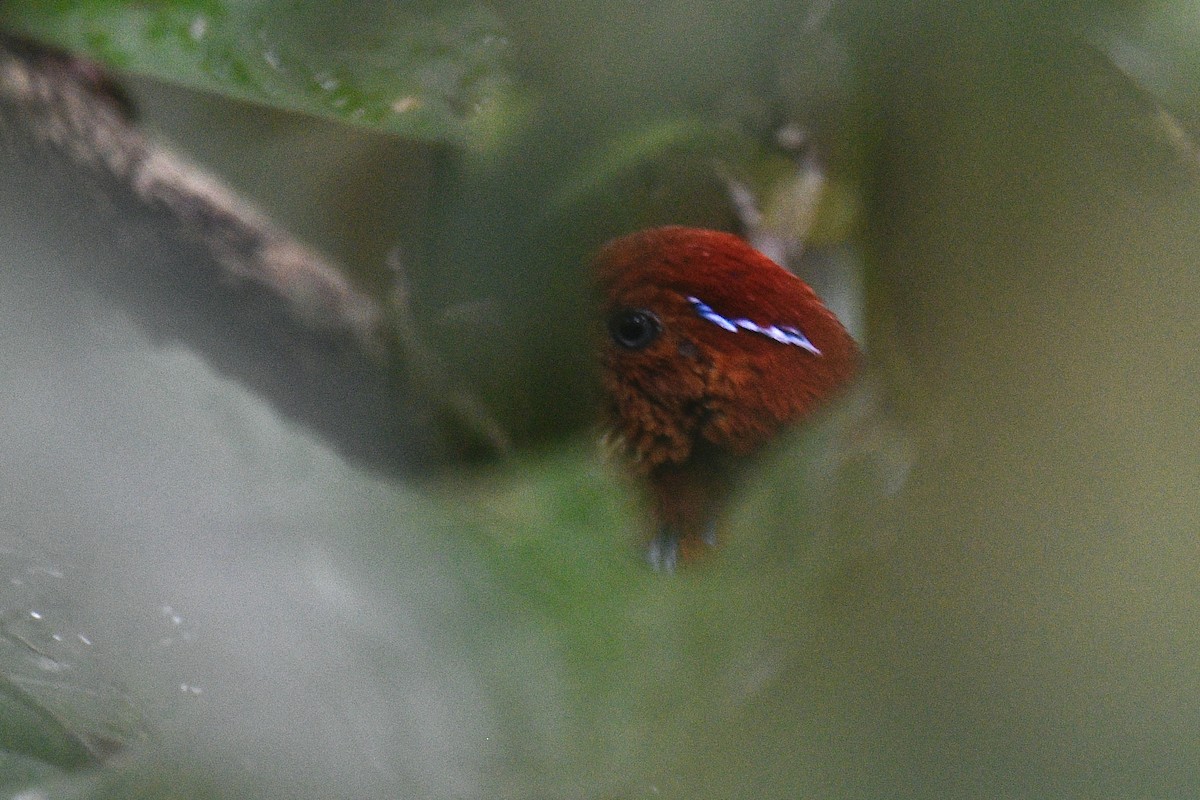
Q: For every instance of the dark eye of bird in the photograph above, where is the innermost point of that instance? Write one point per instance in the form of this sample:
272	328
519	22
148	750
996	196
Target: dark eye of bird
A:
634	328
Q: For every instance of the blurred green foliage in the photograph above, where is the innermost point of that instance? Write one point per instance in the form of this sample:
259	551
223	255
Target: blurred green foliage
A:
1026	214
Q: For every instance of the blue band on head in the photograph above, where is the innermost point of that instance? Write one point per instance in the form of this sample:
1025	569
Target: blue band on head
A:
783	335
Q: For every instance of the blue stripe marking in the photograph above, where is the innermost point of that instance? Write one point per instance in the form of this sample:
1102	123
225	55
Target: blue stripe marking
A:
784	335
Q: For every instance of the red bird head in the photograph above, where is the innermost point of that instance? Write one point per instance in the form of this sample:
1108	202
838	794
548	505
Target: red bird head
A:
711	349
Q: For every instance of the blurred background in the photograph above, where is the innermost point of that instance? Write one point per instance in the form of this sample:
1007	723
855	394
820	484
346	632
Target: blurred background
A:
976	576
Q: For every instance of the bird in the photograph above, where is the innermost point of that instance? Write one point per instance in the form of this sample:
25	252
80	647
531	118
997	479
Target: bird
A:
711	348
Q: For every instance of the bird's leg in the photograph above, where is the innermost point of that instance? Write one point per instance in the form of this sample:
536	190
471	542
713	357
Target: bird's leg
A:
688	498
662	553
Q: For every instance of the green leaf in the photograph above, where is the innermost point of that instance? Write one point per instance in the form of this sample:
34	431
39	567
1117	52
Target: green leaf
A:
433	73
30	728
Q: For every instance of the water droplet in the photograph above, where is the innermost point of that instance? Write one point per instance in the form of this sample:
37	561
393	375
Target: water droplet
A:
84	638
272	58
187	688
36	614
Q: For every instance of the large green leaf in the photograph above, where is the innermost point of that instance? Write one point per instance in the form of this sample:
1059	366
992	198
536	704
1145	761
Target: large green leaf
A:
435	72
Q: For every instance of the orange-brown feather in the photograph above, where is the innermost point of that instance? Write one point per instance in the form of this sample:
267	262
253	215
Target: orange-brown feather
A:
700	394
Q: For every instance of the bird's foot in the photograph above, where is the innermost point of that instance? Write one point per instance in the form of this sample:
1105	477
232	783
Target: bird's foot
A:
669	548
663	550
